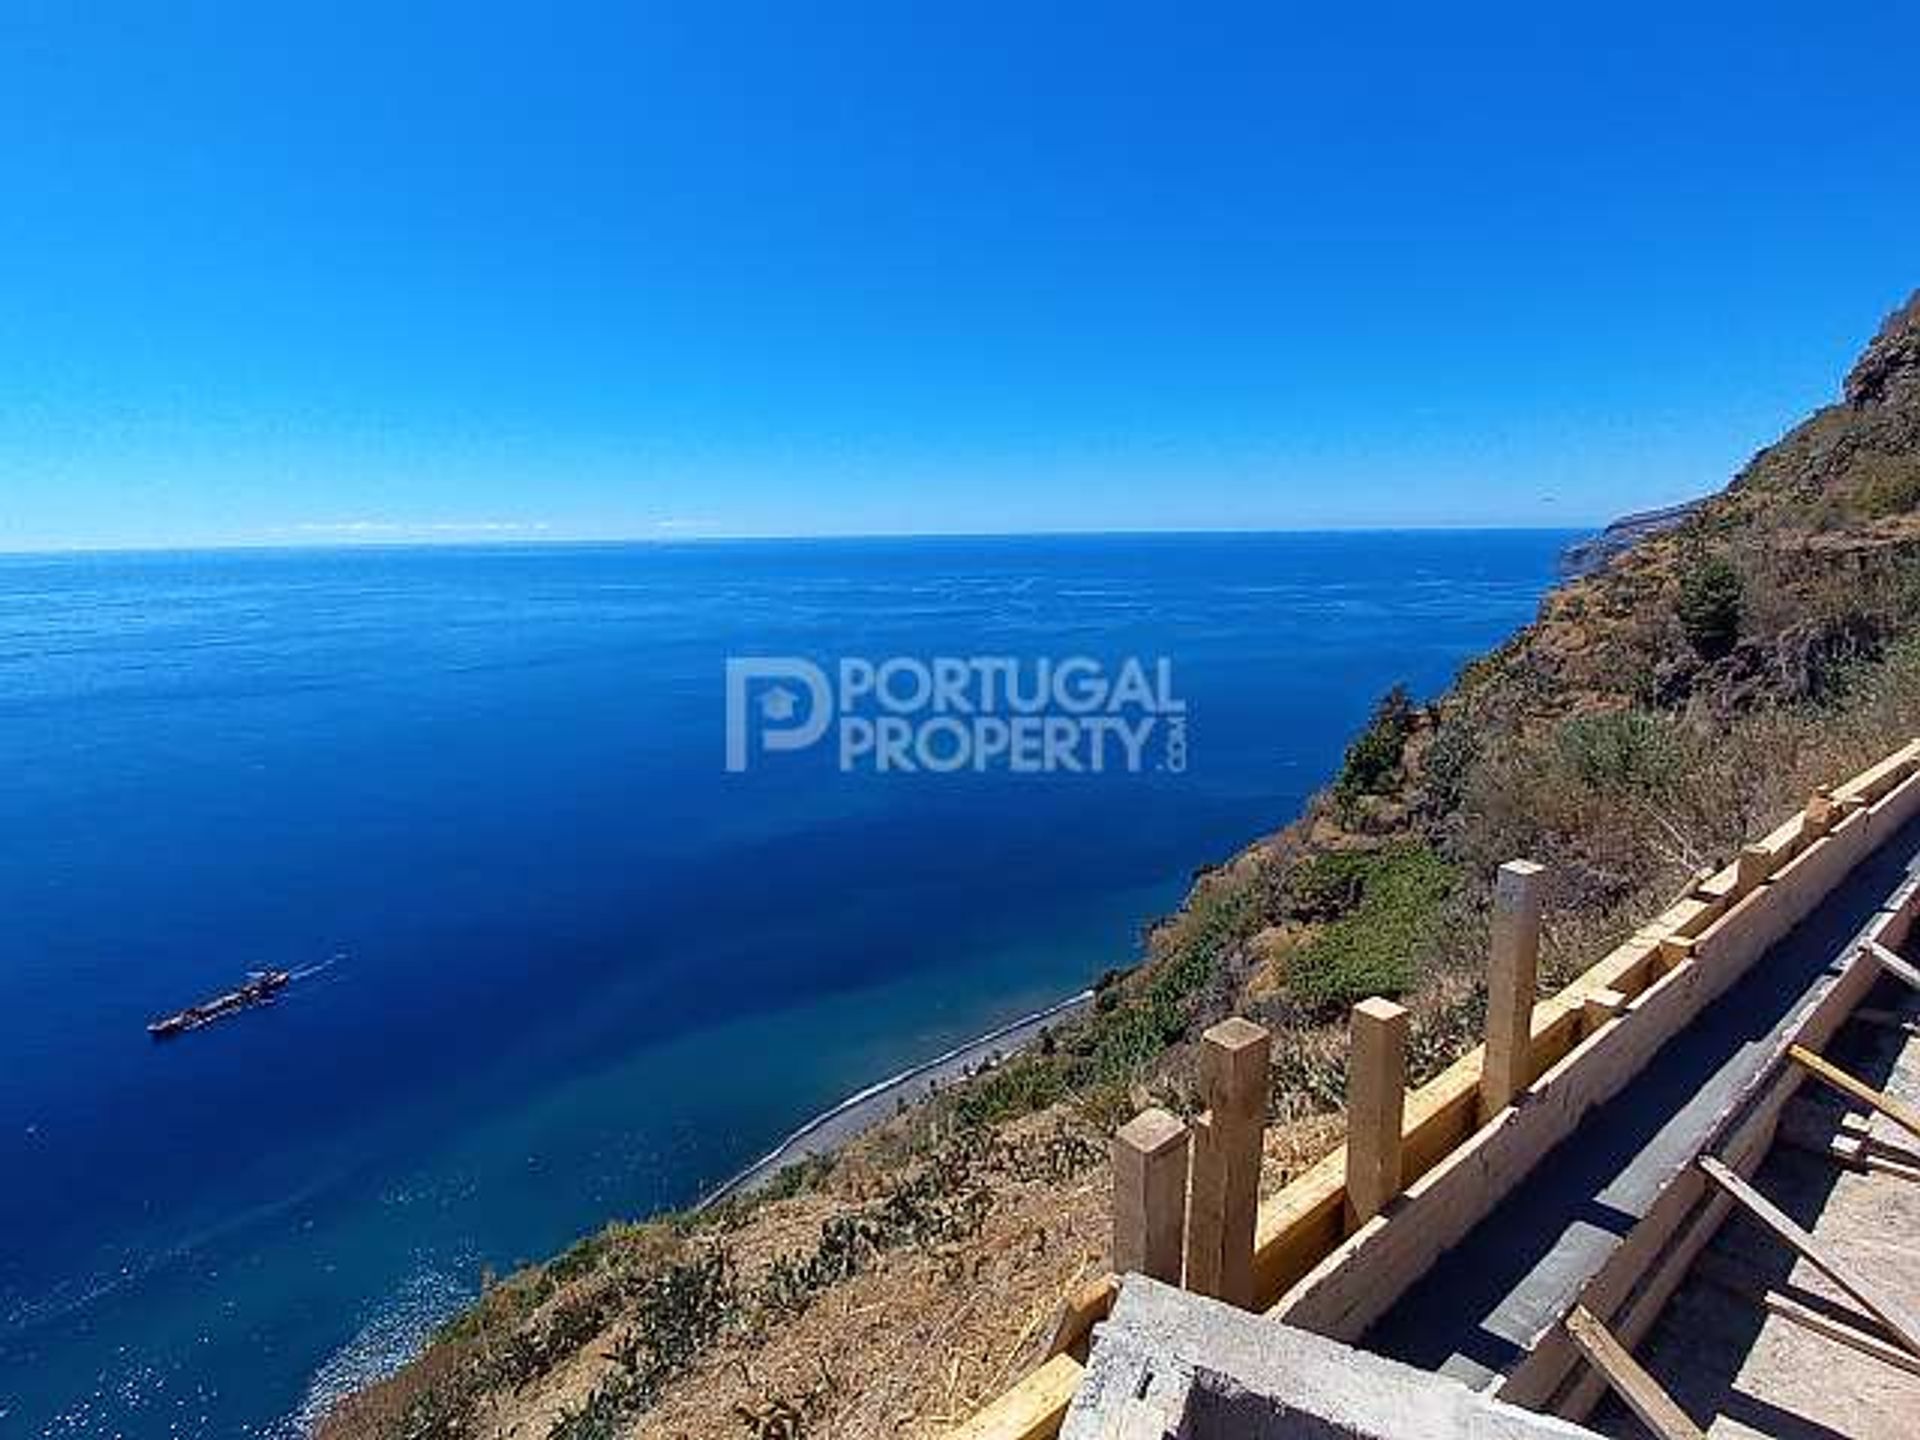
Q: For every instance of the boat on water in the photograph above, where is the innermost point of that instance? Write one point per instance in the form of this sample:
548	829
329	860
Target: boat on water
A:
260	989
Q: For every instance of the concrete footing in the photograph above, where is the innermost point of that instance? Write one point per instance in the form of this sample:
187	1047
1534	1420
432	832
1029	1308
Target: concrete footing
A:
1167	1365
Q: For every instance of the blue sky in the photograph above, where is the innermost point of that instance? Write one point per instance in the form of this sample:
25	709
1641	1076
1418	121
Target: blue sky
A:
471	272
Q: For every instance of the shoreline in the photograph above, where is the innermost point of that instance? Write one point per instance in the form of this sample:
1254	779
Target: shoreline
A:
869	1106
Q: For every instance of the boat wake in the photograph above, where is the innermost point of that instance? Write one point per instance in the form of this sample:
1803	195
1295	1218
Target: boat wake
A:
307	971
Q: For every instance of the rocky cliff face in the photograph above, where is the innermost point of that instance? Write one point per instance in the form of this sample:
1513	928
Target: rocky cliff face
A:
1889	371
1809	545
1669	698
1584	557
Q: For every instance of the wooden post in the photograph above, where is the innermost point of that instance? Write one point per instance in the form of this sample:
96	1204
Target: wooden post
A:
1599	1007
1376	1106
1149	1195
1819	815
1234	1056
1751	869
1675	950
1511	974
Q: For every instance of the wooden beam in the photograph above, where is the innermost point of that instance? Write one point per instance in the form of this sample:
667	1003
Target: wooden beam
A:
1630	1381
1751	868
1863	1292
1599	1007
1817	819
1822	1068
1234	1059
1512	973
1872	1160
1737	1280
1084	1309
1150	1195
1857	1127
1901	970
1034	1409
1376	1106
1675	950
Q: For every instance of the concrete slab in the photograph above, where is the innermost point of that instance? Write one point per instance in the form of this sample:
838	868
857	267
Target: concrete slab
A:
1167	1365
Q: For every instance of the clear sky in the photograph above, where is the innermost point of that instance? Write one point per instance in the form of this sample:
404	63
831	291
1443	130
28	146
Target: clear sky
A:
278	275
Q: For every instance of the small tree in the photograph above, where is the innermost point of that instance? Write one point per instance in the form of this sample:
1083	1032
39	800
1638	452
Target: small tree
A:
1375	754
1708	606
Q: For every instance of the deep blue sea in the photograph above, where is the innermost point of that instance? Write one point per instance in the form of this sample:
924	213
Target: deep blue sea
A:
583	971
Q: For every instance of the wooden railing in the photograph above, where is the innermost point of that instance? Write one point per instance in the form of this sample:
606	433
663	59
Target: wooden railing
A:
1340	1243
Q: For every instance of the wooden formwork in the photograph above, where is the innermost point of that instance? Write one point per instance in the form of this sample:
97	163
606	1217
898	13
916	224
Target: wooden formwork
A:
1320	1263
1651	1262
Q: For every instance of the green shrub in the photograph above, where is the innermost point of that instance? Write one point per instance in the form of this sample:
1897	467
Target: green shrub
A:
1327	886
1375	753
1020	1086
1372	949
1620	750
1709	606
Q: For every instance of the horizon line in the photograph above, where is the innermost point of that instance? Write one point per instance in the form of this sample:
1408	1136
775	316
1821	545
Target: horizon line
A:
534	542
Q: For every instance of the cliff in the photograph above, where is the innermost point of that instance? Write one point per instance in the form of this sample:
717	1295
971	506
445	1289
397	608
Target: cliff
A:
1584	557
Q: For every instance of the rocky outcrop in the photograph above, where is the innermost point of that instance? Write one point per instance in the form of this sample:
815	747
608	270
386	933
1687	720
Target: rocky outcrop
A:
1584	557
1806	661
1891	364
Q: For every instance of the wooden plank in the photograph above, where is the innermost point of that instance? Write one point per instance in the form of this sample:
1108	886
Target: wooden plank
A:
1376	1106
1150	1195
1637	1281
1752	867
1357	1282
1676	950
1206	1206
1629	1379
1034	1409
1301	1237
1599	1007
1821	1323
1819	815
1737	1280
1897	806
1085	1308
1300	1225
1235	1058
1856	1126
1902	970
1887	1311
1512	974
1874	783
1850	1150
1822	1068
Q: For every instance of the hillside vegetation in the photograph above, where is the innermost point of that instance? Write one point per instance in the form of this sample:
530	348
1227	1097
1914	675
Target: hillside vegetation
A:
1658	712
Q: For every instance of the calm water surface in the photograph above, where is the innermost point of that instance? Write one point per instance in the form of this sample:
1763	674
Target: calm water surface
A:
583	972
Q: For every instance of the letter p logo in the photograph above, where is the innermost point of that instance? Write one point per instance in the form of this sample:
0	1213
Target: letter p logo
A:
784	699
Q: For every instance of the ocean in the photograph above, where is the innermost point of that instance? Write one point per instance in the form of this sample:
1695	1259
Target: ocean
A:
560	964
